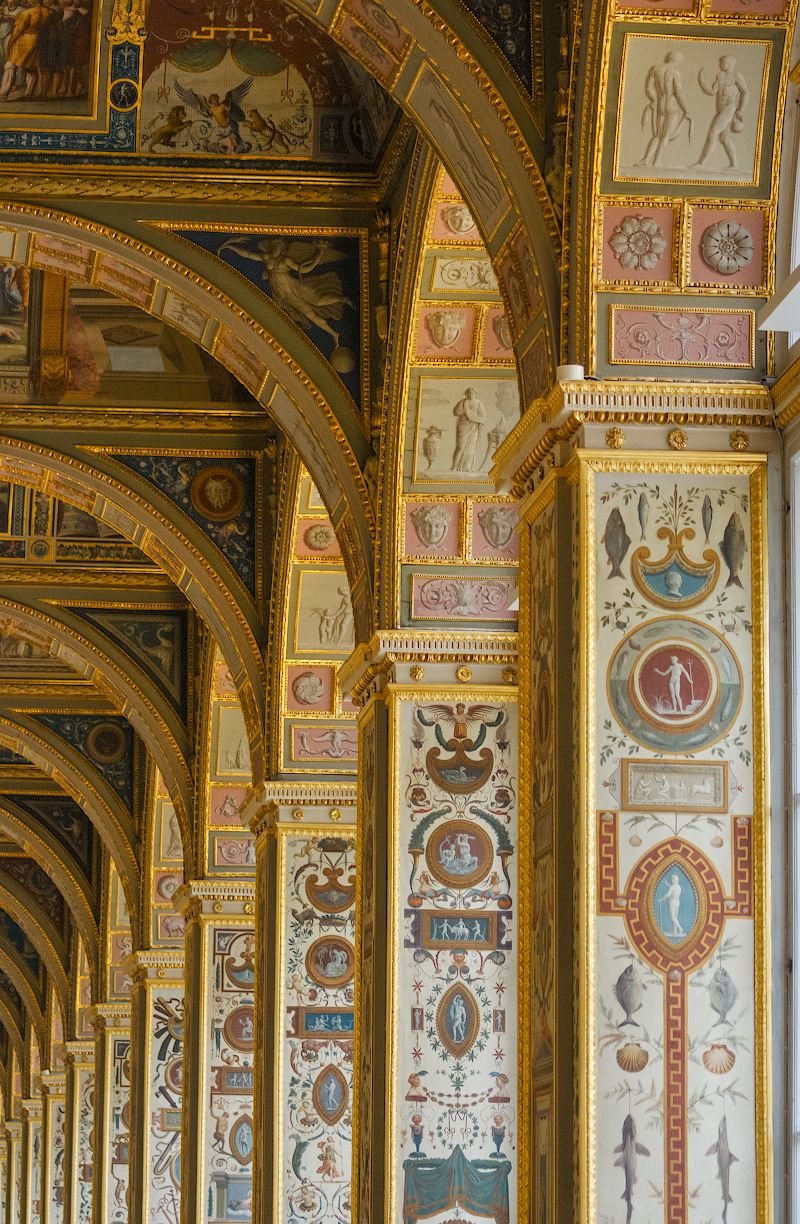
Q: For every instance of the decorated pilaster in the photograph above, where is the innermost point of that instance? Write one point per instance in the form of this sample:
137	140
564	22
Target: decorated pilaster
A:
156	1091
53	1140
13	1138
31	1158
112	1027
80	1121
219	1054
659	711
306	896
442	1050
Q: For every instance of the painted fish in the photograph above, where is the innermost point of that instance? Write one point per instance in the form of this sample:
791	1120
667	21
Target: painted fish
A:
722	993
725	1159
630	1149
733	546
628	993
617	541
643	511
707	514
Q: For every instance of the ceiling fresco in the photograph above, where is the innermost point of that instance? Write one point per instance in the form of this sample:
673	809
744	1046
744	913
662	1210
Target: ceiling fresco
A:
247	84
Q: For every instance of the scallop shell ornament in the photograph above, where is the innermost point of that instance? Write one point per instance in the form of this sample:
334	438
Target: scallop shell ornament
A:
718	1059
632	1057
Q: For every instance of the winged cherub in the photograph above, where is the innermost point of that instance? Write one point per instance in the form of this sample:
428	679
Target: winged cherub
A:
287	267
226	112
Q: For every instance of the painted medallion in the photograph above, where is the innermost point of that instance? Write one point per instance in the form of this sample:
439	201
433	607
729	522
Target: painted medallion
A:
330	961
239	1028
459	854
675	685
458	1020
330	1094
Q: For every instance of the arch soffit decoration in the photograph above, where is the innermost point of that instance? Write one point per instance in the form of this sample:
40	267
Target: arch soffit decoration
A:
103	495
78	778
43	847
114	677
331	440
44	937
13	967
15	1036
440	73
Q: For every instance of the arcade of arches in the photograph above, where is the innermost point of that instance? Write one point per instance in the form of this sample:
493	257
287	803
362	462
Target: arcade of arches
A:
399	438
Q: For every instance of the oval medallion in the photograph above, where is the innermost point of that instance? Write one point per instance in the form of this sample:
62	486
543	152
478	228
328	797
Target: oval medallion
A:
241	1139
459	853
330	1094
458	1020
330	961
675	904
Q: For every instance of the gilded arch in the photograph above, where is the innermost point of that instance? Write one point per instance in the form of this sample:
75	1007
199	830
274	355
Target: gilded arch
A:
113	675
44	937
12	966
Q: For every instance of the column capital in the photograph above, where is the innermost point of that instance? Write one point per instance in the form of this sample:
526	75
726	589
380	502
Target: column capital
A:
438	656
154	965
543	437
13	1130
110	1016
54	1083
31	1109
215	899
317	803
79	1053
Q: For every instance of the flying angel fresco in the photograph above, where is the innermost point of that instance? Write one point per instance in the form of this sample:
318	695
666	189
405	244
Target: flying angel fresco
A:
287	267
225	112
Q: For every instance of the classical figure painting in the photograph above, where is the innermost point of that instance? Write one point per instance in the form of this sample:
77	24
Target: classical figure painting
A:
460	422
691	109
48	52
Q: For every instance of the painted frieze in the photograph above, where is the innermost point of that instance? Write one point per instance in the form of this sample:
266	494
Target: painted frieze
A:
230	1133
120	1119
84	1089
456	1041
678	835
166	1092
317	1022
55	1174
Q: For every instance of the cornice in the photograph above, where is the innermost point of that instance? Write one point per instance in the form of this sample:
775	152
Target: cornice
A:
214	899
569	405
110	1015
79	1052
54	1083
154	964
274	802
379	656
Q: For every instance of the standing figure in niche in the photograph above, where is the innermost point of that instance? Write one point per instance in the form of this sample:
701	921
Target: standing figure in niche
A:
470	417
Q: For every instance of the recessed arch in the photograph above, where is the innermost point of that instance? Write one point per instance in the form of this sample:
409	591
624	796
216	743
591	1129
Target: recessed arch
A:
89	789
44	937
13	967
328	434
17	1038
117	678
43	847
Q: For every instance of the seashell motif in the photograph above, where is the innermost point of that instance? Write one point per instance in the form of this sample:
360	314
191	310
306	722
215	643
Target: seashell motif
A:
632	1057
718	1059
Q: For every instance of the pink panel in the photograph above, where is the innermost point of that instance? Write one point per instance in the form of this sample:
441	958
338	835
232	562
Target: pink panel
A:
763	8
656	6
454	222
309	688
367	48
727	246
461	598
316	538
497	341
446	331
122	278
495	532
448	186
681	337
224	805
382	23
320	742
224	680
637	243
432	529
